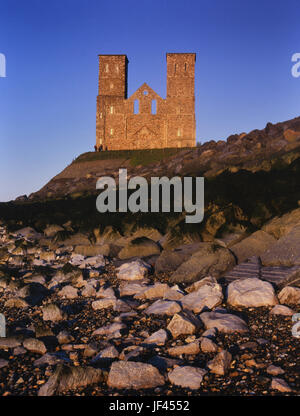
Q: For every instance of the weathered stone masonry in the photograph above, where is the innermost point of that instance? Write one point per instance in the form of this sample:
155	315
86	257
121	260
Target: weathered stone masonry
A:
145	120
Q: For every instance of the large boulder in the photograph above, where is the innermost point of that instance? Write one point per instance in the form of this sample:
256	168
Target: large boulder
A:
281	226
134	375
208	260
254	245
170	260
139	247
285	252
251	292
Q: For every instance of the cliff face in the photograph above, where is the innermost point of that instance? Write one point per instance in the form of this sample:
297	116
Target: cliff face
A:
258	150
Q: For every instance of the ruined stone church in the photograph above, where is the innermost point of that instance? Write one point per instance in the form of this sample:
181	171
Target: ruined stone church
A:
145	120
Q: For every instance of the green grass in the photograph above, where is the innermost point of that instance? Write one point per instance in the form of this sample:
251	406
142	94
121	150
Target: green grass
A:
137	157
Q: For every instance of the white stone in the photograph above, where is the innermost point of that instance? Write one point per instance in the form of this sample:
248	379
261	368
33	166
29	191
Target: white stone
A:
135	270
251	292
207	296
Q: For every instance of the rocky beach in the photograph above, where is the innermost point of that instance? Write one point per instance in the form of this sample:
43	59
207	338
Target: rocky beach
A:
112	305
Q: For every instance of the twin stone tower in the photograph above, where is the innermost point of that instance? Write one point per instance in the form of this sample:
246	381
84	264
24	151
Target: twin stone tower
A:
145	120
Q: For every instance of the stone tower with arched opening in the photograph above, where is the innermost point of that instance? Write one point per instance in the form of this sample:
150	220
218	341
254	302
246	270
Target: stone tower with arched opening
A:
145	120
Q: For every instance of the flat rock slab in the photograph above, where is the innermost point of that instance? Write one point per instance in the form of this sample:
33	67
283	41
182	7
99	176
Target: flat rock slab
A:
163	307
187	377
285	252
134	375
224	322
206	261
281	276
250	268
254	245
251	292
281	226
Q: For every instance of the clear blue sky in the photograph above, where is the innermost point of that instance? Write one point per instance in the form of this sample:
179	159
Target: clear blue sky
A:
48	100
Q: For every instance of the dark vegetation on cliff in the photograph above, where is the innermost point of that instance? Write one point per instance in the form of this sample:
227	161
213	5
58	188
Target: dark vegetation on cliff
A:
243	197
248	180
